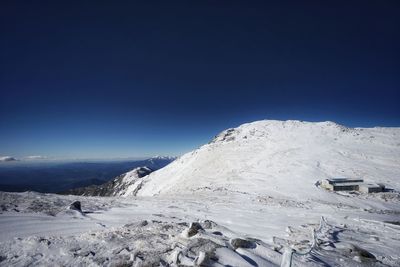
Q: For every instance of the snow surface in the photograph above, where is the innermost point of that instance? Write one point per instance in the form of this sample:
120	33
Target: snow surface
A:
253	192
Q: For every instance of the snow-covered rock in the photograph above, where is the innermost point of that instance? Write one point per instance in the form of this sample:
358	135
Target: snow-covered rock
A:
281	158
131	181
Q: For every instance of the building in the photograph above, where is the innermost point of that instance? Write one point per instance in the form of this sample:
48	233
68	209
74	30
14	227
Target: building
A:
346	184
371	188
341	184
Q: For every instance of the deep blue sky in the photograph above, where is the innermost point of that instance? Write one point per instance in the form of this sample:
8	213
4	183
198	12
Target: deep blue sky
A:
91	79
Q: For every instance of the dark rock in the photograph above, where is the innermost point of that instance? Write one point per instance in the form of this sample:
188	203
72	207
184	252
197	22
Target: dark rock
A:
242	243
85	254
363	253
196	226
217	233
191	232
194	229
393	222
226	136
143	223
358	253
76	205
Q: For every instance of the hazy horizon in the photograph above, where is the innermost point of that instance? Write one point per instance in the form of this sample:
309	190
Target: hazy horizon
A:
25	159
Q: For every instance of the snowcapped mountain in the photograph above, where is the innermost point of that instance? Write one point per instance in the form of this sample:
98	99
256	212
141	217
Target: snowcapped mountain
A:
281	158
158	157
158	162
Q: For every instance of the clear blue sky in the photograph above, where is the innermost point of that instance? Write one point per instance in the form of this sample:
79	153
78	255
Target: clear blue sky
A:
84	79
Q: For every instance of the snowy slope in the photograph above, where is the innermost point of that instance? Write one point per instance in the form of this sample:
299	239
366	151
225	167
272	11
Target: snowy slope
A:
282	158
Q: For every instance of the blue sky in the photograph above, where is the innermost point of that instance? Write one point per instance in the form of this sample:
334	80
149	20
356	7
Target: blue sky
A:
97	80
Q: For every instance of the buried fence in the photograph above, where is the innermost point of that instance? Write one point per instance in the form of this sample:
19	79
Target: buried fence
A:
287	257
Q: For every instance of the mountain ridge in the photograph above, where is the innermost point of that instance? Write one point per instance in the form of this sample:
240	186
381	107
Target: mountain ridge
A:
118	185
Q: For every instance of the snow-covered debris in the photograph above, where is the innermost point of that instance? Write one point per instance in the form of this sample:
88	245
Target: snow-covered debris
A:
227	230
147	243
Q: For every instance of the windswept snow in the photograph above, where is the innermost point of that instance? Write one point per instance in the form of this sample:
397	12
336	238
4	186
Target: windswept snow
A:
236	230
245	199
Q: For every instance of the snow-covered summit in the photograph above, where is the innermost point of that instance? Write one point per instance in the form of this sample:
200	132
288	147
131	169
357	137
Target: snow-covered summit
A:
281	158
263	128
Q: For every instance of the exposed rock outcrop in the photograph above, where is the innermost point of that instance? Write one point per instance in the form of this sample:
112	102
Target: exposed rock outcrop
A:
125	184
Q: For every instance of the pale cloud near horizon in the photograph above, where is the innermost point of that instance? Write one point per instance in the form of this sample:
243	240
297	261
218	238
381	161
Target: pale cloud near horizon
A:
35	157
